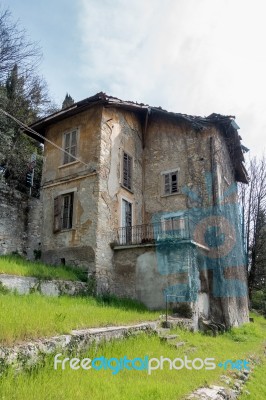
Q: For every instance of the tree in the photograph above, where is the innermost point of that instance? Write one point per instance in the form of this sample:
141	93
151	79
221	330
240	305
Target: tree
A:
253	199
24	95
68	101
15	48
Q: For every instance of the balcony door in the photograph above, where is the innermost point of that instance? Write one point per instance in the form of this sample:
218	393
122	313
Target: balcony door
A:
126	221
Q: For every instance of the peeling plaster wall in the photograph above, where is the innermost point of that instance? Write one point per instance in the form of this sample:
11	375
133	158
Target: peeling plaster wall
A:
77	245
120	131
137	274
104	133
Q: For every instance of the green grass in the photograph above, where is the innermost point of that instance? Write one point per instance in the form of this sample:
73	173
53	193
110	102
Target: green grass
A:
256	385
30	316
46	383
17	265
258	301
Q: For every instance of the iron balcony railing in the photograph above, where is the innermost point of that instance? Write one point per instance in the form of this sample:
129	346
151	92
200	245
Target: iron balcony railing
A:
152	233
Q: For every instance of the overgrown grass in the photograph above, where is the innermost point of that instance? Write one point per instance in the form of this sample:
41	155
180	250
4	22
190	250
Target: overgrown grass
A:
259	301
17	265
256	385
32	316
49	384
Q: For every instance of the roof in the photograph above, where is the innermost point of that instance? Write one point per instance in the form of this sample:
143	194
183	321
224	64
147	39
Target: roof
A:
226	124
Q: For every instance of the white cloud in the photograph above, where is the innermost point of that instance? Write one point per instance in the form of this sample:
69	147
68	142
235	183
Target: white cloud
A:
188	56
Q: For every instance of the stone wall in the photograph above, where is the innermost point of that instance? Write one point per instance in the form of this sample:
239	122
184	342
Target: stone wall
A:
27	284
13	220
31	353
34	225
20	221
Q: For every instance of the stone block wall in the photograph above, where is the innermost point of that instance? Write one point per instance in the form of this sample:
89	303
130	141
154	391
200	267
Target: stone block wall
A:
20	222
13	220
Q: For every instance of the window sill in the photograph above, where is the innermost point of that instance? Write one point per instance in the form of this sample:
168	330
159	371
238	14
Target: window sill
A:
171	194
64	230
68	164
129	190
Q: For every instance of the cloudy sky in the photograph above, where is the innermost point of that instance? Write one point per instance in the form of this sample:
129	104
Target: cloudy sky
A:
188	56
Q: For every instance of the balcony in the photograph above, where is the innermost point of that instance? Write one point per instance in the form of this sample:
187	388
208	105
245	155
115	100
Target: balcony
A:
168	228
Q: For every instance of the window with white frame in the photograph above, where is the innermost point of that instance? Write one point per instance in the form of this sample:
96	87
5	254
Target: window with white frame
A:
173	223
127	171
170	182
70	146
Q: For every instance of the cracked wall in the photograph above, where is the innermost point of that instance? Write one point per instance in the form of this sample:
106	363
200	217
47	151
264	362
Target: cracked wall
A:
75	246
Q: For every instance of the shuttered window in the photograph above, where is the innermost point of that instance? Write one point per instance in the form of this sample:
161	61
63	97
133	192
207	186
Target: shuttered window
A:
171	182
127	171
70	146
57	214
63	212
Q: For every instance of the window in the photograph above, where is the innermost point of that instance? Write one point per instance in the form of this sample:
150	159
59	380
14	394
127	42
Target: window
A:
70	145
170	182
63	212
127	171
126	213
174	226
171	224
126	230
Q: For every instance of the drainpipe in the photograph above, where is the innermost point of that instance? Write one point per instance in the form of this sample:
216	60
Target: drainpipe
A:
214	203
143	163
212	171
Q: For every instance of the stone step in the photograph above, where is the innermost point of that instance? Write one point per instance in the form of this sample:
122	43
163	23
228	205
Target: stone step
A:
180	344
168	337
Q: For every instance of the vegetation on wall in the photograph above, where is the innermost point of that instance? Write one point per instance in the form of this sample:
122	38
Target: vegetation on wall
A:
24	95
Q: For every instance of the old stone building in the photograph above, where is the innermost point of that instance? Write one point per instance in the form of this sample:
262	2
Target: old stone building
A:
146	201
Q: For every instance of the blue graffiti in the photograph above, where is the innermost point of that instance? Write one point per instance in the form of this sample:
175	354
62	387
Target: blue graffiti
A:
199	238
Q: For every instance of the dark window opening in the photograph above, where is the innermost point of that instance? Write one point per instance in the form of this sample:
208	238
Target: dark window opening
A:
127	171
127	221
171	183
67	211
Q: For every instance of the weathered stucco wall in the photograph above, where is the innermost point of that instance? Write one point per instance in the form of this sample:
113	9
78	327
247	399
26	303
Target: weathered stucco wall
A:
120	131
88	125
205	173
140	273
75	246
170	145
